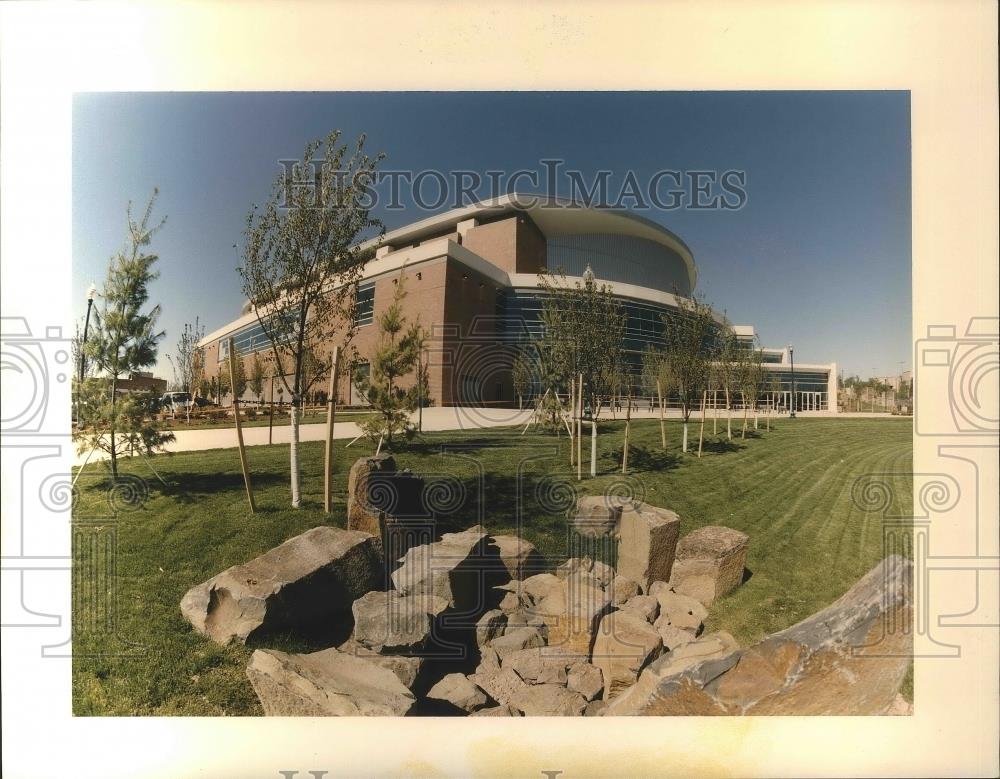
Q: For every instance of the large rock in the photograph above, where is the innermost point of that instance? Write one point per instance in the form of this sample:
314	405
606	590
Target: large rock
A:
519	557
457	690
363	512
501	684
548	700
326	683
489	626
406	668
848	659
585	679
391	623
303	583
571	615
645	606
596	516
709	563
535	668
588	570
624	645
678	611
647	542
516	639
463	568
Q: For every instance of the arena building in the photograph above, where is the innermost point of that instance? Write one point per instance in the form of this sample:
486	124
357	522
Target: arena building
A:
471	277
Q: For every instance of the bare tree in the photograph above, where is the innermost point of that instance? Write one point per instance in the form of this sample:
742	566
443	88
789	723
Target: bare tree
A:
302	260
189	362
690	334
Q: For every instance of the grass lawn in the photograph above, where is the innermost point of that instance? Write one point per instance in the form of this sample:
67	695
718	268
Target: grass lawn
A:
790	489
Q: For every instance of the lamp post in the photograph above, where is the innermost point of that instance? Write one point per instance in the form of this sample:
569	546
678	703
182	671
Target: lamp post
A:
791	357
91	294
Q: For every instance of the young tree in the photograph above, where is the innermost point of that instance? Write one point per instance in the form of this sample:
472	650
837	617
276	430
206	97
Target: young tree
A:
124	341
659	380
234	367
222	383
583	331
520	376
302	258
725	370
690	335
394	357
257	376
205	389
189	361
751	379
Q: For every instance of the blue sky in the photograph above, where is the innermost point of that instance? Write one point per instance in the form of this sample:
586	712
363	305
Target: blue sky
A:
819	256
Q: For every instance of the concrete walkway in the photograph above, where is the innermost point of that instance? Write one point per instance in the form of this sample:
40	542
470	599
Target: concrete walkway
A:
434	419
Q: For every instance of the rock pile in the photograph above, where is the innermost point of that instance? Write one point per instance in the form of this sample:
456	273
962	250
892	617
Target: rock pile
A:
473	625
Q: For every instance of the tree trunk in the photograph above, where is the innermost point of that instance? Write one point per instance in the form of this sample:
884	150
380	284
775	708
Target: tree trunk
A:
729	416
743	435
114	446
593	448
663	427
294	455
684	443
715	412
628	424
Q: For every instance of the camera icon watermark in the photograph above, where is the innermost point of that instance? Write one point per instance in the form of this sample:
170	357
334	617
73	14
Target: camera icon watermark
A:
961	372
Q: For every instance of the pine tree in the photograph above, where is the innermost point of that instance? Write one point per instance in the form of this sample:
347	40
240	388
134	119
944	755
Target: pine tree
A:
124	341
395	356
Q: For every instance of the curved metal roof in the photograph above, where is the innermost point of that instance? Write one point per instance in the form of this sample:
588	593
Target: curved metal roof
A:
554	217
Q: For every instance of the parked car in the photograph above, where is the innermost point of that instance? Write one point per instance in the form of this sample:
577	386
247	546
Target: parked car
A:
176	401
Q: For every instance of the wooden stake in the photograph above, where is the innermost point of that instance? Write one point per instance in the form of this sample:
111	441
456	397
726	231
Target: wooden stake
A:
331	412
270	415
628	424
663	427
239	430
572	421
701	434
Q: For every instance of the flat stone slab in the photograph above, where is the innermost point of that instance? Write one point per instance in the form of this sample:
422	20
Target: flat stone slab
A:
389	623
326	683
307	580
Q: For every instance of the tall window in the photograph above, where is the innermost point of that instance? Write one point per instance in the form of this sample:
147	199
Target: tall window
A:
365	311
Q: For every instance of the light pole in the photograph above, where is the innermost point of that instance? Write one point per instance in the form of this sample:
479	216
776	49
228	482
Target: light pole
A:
791	357
91	294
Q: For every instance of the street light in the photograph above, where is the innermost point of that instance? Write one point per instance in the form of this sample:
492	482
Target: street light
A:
91	294
791	357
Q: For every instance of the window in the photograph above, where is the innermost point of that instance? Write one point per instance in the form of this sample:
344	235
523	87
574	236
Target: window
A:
365	308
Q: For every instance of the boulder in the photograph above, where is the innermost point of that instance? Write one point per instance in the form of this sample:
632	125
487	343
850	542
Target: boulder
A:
674	637
326	683
585	679
495	711
623	589
405	668
625	644
490	626
500	685
709	563
678	611
535	668
391	623
596	516
645	606
457	690
571	615
537	587
303	583
594	572
703	660
595	708
362	511
462	568
547	700
847	659
646	543
516	639
519	557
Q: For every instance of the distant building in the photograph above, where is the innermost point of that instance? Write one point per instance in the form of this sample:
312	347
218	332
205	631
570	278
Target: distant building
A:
142	382
471	276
